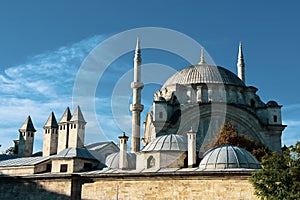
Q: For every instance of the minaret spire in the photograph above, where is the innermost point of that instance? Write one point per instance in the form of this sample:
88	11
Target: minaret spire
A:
136	107
202	61
241	63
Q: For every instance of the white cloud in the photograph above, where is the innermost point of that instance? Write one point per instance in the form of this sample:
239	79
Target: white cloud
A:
44	83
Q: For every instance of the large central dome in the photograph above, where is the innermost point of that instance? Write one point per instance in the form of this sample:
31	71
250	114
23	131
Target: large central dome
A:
204	73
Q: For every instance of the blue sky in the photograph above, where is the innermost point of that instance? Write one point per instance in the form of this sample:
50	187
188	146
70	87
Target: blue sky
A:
43	45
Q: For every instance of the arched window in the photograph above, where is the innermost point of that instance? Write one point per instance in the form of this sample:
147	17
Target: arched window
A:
150	162
275	118
252	103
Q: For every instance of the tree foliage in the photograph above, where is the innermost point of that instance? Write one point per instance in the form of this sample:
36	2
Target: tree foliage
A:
9	151
280	176
228	135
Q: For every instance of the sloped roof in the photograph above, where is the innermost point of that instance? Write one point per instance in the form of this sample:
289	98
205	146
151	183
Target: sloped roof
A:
74	153
99	145
100	150
66	116
77	115
51	122
27	125
25	161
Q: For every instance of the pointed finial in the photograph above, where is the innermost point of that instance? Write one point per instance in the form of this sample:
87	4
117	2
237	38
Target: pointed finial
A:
137	55
241	56
123	136
241	63
202	61
137	43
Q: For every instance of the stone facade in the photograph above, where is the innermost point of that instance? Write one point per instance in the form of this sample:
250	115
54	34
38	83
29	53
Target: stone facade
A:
204	97
129	186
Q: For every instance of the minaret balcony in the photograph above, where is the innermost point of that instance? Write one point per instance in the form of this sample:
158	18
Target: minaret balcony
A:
136	107
137	85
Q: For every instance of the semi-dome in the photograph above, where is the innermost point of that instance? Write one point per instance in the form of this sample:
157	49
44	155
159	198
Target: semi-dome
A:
272	104
112	160
172	142
228	157
204	73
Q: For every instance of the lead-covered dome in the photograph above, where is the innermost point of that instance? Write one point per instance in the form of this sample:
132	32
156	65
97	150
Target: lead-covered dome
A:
112	160
204	73
228	157
172	142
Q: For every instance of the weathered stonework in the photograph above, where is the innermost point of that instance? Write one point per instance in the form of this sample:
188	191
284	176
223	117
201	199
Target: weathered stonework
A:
188	185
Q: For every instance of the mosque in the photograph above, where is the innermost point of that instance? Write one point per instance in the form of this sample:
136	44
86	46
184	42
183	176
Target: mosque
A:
186	114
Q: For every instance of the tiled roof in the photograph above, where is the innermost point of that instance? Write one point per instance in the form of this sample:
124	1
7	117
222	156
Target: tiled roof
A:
27	161
75	153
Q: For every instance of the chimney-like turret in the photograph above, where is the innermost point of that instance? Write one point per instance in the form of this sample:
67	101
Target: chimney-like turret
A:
123	163
191	138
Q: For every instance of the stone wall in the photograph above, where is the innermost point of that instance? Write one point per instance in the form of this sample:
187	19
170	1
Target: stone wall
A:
169	187
184	185
19	188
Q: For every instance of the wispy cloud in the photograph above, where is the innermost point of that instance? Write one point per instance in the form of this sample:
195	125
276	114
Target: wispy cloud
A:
44	83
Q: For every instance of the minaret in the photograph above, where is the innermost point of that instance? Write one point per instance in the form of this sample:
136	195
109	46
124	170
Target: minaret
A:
63	130
136	107
50	136
123	163
241	64
26	138
76	129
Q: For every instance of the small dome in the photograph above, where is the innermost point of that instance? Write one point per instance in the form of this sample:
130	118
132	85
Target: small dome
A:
228	157
272	104
172	142
112	160
204	73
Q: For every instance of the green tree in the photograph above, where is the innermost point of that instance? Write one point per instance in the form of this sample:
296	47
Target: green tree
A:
280	175
228	135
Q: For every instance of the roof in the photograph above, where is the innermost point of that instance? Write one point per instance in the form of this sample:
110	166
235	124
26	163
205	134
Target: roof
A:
77	115
171	142
51	122
66	116
204	73
171	171
74	153
99	145
25	161
112	160
27	125
228	157
100	150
